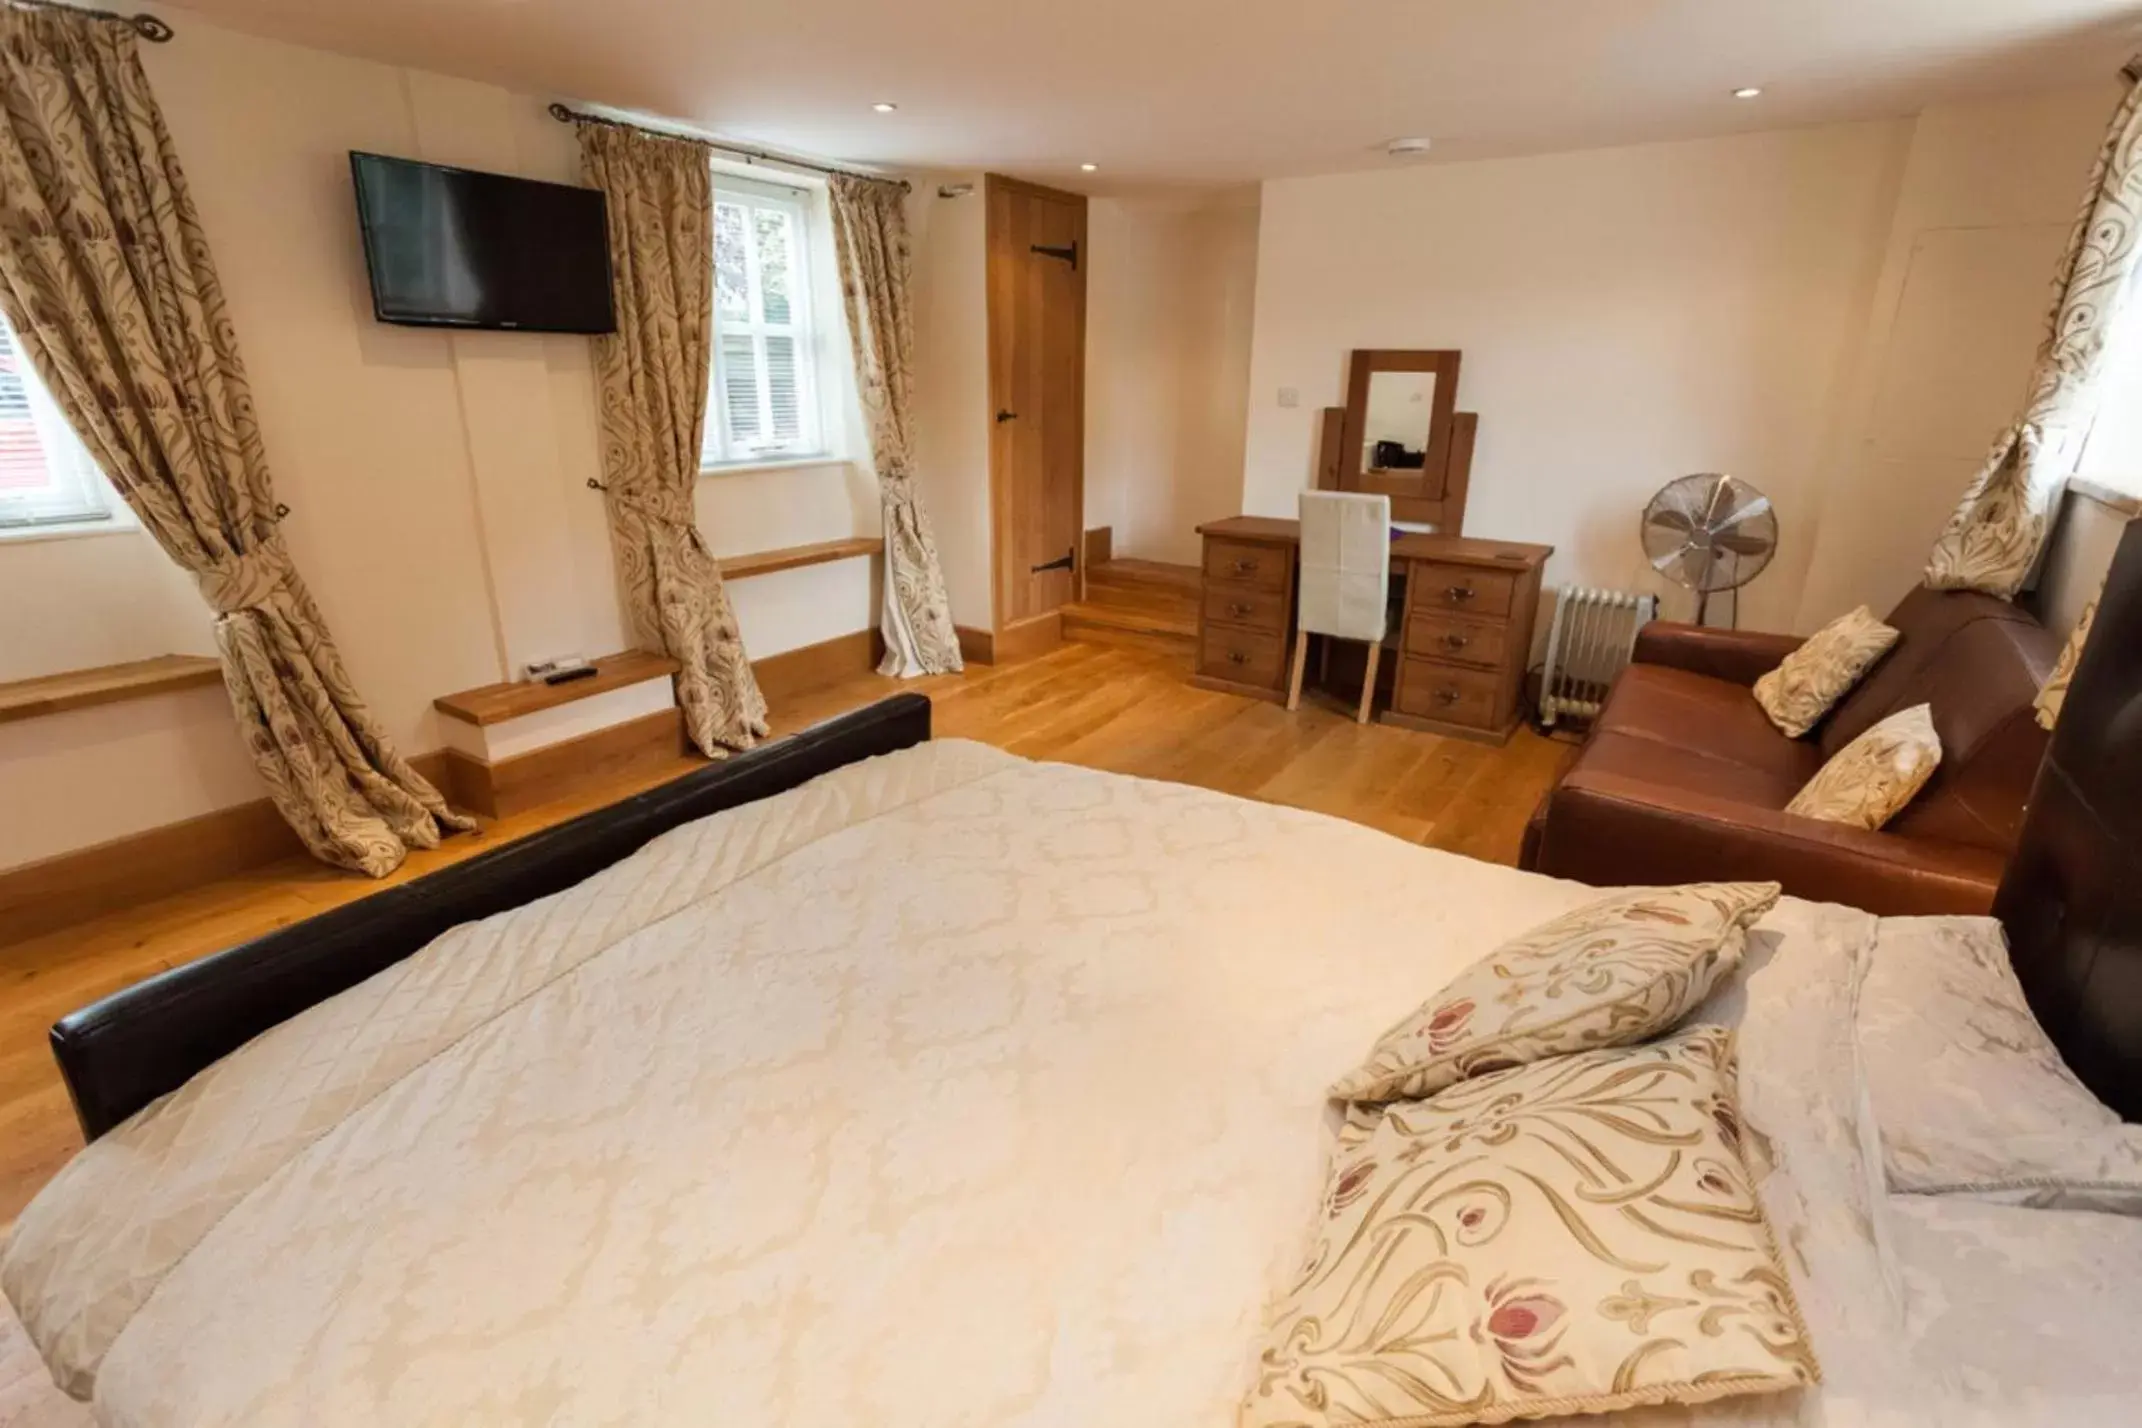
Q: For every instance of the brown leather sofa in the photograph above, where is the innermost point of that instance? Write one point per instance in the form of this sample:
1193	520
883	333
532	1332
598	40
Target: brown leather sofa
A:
1684	779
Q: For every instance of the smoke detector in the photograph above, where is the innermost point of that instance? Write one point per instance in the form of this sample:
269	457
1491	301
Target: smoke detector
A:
1407	148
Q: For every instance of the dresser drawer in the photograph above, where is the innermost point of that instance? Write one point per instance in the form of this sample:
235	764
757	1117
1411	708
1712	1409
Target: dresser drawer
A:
1461	589
1442	637
1242	656
1242	564
1247	607
1448	692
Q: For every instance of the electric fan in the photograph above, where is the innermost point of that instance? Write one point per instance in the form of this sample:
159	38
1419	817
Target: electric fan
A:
1710	532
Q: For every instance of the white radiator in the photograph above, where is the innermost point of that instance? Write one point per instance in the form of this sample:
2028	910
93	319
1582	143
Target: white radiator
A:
1593	633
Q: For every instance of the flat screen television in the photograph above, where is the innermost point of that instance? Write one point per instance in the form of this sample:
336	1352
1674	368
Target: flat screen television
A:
456	248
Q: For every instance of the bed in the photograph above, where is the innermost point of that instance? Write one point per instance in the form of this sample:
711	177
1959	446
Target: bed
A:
870	1079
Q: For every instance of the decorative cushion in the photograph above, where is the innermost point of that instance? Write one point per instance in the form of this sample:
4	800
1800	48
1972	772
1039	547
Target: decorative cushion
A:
1610	973
2054	696
1815	676
1970	1094
1870	780
1576	1236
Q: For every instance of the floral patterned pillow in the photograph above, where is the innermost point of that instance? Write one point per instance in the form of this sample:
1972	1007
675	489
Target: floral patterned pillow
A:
1610	973
1815	676
1872	779
1577	1236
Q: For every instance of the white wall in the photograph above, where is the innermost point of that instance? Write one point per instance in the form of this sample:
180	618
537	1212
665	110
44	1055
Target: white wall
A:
952	418
437	481
1627	316
1983	210
1168	317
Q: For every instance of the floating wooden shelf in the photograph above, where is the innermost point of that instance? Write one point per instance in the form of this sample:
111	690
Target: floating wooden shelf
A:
795	557
496	703
107	684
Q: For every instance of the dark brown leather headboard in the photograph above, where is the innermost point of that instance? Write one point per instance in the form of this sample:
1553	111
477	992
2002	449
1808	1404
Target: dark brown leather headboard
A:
123	1052
2072	897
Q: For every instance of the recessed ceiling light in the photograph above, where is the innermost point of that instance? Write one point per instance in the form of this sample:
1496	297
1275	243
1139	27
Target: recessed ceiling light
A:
884	108
1088	168
1398	148
1748	91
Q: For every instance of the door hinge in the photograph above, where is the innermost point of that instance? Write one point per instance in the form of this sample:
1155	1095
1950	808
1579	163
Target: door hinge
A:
1068	254
1062	562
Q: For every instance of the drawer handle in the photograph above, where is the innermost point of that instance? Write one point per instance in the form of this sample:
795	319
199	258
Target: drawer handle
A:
1459	594
1446	696
1456	642
1245	567
1237	657
1238	609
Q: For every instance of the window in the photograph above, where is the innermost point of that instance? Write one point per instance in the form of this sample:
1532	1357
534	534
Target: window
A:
2113	454
46	475
763	404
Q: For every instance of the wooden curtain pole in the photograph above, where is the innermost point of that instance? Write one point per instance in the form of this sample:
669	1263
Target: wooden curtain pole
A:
565	114
149	27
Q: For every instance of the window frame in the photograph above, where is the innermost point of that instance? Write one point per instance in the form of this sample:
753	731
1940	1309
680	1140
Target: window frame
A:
719	449
77	498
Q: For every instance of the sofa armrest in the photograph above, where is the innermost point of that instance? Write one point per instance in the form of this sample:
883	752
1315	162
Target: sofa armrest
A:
1613	831
1736	656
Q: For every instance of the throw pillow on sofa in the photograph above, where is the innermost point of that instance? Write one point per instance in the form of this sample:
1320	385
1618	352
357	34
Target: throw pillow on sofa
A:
1815	676
1870	780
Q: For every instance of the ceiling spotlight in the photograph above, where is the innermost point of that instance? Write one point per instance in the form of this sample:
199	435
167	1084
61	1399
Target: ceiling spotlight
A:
1399	148
1088	168
884	108
1748	91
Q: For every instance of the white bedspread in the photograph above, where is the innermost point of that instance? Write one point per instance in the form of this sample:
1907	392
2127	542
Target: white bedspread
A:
948	1090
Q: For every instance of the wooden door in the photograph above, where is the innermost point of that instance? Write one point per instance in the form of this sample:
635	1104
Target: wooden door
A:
1037	395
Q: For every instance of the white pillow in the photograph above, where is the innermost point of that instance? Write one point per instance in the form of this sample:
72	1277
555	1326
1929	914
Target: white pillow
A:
1970	1094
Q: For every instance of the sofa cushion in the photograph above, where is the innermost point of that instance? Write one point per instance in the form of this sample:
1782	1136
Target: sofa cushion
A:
1808	683
1872	778
1694	717
1959	639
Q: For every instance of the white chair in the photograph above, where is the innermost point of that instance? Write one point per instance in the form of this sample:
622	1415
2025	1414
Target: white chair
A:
1345	580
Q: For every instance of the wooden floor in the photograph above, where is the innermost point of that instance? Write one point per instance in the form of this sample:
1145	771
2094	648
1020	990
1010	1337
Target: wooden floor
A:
1104	706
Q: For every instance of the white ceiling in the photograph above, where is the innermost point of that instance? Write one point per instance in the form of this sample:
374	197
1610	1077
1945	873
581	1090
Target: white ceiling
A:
1224	91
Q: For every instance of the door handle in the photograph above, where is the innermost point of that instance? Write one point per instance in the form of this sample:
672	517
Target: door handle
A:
1068	254
1004	416
1062	562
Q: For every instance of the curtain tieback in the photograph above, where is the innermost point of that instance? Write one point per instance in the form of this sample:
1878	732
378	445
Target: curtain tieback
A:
668	507
246	579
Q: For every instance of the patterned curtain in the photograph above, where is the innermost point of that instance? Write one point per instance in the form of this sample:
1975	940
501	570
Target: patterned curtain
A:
2054	696
106	275
870	232
1993	539
653	375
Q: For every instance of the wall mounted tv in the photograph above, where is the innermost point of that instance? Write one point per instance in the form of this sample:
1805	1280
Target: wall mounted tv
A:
456	248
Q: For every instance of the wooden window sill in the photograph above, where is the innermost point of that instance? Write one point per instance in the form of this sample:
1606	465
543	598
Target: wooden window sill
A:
496	703
106	684
795	557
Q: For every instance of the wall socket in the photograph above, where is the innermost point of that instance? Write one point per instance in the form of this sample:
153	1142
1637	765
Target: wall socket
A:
1289	397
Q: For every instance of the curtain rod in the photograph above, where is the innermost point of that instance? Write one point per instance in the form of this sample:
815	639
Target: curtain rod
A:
565	114
149	27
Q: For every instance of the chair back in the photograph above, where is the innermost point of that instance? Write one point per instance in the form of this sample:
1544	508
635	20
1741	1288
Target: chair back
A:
1346	564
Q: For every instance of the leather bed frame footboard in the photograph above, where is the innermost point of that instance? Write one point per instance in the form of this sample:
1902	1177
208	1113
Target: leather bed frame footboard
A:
123	1052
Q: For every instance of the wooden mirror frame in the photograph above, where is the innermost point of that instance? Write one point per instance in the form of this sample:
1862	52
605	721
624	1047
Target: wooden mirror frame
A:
1354	475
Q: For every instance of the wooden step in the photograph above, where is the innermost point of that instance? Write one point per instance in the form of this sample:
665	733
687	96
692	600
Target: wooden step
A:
1099	623
1128	574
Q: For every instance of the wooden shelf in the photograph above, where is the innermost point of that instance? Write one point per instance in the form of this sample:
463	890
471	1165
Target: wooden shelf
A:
107	684
496	703
795	557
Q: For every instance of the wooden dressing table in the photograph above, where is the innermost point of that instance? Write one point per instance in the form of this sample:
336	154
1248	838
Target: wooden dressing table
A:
1464	641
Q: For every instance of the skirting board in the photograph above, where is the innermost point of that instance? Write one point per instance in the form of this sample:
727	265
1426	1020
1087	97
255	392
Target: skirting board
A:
1014	642
69	888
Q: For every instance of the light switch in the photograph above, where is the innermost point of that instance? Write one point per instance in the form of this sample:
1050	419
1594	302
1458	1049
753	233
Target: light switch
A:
1289	397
